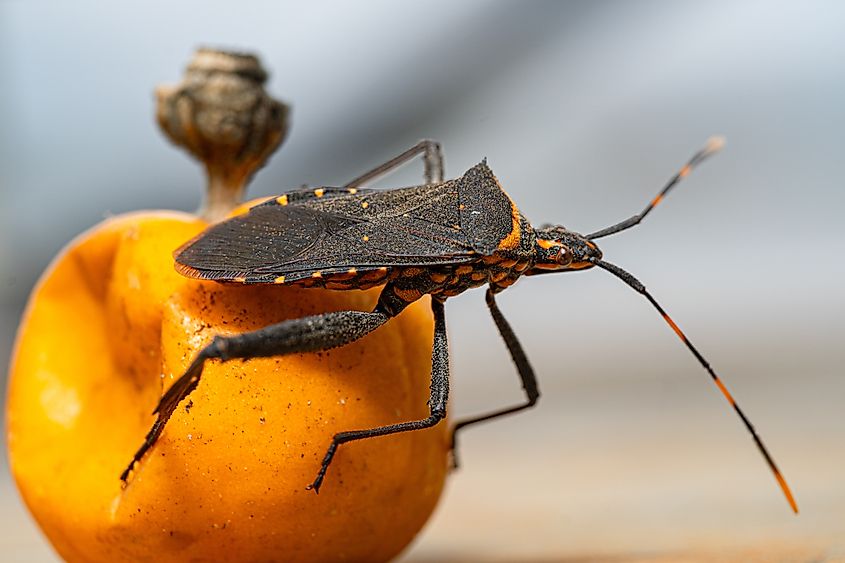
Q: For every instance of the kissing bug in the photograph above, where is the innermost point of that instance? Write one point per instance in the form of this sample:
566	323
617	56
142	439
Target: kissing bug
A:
440	239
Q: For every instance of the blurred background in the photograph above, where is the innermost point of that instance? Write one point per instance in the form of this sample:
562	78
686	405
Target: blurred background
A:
584	110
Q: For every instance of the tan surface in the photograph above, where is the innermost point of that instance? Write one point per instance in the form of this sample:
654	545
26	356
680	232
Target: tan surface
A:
622	484
652	465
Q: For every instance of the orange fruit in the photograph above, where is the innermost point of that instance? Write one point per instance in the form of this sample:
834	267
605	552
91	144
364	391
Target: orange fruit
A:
110	325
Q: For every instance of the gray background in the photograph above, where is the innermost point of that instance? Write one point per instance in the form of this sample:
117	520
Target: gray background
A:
583	110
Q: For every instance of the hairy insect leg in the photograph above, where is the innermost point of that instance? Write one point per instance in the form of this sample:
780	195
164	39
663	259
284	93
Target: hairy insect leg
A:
308	334
436	403
432	160
523	367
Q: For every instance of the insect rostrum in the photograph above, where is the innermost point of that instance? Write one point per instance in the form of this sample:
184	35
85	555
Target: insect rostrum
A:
440	239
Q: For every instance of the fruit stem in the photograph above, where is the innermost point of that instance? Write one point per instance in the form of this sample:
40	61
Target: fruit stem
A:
221	114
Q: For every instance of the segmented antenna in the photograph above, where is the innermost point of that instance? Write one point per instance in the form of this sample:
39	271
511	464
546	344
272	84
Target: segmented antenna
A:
714	145
640	288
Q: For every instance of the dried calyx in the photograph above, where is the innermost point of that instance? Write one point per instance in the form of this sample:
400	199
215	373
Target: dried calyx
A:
222	115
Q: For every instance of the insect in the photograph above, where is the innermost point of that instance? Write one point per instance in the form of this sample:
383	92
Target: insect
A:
441	239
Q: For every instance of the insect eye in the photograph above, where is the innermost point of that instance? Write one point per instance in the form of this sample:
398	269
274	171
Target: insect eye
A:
564	256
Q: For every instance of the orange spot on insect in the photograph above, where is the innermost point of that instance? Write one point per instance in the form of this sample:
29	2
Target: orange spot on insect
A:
724	391
547	244
437	277
319	192
353	191
373	276
282	199
685	171
461	206
461	270
317	274
280	279
364	204
342	276
365	238
676	329
511	241
499	276
657	199
407	295
239	279
788	493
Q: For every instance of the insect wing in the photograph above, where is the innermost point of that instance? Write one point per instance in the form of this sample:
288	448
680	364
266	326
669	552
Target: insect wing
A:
368	229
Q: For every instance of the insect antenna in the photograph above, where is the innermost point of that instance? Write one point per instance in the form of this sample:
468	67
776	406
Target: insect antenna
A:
714	145
640	288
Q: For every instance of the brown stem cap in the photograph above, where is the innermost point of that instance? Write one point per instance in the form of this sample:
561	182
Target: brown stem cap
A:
222	115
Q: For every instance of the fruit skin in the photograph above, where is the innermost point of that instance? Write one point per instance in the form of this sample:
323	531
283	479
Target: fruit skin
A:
110	324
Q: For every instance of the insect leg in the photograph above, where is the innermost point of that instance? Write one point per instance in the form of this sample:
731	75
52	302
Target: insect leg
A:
432	160
308	334
526	373
436	403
